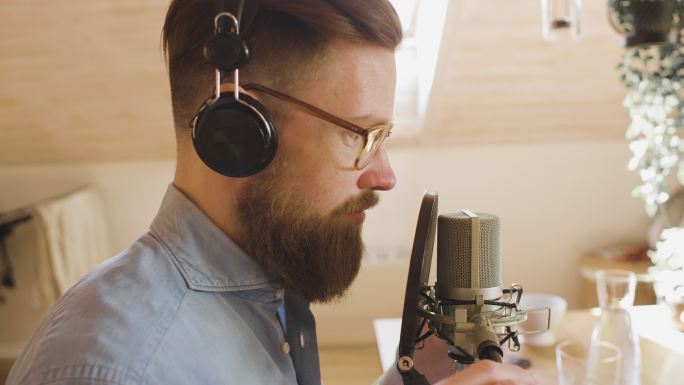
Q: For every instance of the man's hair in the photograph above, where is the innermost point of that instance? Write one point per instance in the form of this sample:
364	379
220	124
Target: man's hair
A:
287	38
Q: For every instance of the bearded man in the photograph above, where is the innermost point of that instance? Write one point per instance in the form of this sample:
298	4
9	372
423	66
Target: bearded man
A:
218	291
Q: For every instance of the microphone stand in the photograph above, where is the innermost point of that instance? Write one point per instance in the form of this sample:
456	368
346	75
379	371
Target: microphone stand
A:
481	328
408	372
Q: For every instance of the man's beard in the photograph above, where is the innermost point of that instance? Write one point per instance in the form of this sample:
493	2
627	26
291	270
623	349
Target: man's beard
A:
315	256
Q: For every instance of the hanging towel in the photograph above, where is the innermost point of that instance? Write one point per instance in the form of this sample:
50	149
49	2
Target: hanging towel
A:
72	239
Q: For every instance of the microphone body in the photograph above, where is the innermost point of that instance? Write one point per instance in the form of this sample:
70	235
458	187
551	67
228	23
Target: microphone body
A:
469	272
468	256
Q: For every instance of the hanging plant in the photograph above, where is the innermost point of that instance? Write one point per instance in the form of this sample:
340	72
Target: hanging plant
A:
654	76
652	69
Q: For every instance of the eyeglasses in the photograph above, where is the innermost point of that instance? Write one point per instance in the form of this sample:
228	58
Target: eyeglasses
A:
373	137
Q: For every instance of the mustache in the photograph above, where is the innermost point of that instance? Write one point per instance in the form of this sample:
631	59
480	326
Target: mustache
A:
364	201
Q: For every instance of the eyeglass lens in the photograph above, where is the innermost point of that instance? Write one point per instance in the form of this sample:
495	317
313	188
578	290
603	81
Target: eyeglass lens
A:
375	140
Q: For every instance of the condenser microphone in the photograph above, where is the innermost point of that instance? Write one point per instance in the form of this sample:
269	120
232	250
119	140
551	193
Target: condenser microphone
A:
467	307
469	269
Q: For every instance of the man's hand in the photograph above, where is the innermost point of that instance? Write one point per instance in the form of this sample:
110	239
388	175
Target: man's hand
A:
483	372
432	361
487	372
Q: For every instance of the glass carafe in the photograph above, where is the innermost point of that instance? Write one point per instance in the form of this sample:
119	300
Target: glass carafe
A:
616	295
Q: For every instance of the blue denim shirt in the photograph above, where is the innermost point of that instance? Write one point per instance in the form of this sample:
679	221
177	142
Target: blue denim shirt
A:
183	305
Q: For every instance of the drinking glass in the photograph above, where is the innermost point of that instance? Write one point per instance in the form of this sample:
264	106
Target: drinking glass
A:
596	363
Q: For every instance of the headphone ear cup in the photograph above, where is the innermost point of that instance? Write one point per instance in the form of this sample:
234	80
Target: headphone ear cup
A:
226	51
235	138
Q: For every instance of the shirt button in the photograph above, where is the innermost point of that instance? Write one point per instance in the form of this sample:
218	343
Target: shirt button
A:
286	347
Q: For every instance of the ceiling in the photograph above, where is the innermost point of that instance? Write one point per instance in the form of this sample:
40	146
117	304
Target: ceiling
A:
84	80
497	80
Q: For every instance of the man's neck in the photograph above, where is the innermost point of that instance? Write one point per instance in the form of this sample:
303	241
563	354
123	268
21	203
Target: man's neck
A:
212	193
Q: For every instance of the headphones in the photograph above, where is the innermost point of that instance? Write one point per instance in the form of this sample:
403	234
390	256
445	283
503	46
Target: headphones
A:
232	132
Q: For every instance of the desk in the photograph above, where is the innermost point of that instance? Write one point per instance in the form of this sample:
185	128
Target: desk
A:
662	347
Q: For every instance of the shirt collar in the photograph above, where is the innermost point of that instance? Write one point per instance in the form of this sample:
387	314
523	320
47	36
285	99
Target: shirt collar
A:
206	257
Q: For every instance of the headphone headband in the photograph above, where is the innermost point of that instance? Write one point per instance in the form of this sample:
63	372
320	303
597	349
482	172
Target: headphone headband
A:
244	11
218	21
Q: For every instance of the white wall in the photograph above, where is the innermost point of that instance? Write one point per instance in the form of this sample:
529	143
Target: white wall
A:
131	191
556	201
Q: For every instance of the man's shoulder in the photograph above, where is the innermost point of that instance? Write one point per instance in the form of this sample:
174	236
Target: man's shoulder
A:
109	323
143	272
134	319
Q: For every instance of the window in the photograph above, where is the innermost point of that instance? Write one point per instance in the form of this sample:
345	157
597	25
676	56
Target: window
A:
423	24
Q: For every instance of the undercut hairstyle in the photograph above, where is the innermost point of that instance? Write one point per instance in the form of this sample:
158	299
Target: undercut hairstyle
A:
287	40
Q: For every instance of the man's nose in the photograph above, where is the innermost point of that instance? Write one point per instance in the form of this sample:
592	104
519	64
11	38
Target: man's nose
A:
378	175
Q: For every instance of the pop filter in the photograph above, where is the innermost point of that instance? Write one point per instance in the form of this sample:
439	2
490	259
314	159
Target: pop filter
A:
419	273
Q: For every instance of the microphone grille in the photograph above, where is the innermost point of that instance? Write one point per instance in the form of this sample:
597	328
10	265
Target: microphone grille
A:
454	248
